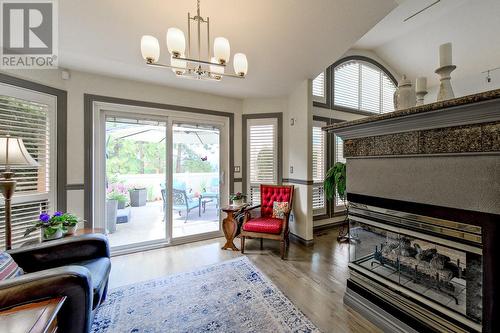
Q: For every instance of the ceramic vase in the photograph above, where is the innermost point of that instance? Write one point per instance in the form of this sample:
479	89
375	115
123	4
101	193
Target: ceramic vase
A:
58	234
71	230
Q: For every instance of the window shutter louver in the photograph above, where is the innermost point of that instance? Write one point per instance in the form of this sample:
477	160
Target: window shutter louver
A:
29	121
318	166
262	155
318	88
362	86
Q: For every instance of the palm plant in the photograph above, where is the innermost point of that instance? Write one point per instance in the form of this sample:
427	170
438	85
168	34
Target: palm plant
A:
335	181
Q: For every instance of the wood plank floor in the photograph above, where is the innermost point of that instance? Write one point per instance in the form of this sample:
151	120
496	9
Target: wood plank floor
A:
313	278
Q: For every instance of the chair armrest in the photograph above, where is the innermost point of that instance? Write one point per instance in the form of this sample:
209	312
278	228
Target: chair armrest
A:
74	282
61	252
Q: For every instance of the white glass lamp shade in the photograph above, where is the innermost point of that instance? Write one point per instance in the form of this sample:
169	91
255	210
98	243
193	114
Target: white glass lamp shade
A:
240	64
222	50
14	153
216	70
180	64
176	43
150	48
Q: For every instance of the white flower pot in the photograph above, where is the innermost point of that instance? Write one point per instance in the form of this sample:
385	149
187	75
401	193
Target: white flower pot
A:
238	202
58	234
71	230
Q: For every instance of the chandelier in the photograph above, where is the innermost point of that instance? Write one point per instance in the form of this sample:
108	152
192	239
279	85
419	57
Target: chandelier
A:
183	64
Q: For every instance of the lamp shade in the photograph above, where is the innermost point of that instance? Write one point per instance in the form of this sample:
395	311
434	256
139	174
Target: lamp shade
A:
176	43
180	64
222	50
14	153
240	64
150	48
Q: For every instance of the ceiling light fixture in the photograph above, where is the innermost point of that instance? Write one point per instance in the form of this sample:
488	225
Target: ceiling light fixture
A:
181	61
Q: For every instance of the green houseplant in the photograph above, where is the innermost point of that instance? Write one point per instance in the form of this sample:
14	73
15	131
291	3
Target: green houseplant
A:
54	226
238	198
335	181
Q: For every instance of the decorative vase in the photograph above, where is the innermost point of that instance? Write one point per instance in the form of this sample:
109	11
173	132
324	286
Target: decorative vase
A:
71	230
238	202
445	88
403	96
58	234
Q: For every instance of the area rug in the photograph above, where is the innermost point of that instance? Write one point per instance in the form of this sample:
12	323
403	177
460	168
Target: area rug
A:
232	296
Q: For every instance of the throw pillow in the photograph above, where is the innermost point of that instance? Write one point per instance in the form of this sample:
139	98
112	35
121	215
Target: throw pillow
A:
8	267
279	209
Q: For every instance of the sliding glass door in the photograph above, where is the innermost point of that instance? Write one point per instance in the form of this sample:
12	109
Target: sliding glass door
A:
196	179
160	176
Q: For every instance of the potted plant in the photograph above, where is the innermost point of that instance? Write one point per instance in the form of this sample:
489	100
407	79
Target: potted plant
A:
238	198
51	226
335	182
138	196
119	194
70	223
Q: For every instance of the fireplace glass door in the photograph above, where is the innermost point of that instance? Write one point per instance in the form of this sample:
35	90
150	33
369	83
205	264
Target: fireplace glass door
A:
448	275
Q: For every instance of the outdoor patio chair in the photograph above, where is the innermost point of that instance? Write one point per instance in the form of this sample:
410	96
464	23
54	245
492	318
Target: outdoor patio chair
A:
181	201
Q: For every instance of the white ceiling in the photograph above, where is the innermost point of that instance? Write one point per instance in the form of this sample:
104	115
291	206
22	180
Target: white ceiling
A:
412	47
286	41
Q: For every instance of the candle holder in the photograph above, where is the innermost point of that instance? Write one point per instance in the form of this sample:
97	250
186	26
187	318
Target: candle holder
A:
420	97
445	89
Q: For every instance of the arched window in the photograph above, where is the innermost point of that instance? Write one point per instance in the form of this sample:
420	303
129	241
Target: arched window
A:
361	84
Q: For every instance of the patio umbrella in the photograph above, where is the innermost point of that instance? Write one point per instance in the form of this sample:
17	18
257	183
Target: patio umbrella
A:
186	134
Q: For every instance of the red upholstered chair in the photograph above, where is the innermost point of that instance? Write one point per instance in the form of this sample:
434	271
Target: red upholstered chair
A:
265	226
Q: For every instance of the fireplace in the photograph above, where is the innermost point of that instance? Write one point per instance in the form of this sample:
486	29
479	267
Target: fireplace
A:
423	186
434	263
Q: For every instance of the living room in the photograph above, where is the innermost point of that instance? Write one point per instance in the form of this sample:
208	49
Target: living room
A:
182	166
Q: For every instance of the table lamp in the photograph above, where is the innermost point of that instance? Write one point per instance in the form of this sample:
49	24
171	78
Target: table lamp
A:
12	153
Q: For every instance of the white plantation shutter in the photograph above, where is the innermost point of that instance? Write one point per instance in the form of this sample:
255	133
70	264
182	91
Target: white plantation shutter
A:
319	88
35	189
318	166
362	86
262	156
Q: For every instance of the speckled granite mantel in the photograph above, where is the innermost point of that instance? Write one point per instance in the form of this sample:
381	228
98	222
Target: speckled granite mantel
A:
469	124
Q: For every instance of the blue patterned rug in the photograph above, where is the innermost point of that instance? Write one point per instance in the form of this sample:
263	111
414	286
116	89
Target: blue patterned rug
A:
232	296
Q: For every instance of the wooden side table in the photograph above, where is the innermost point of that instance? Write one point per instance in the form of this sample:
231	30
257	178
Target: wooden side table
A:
230	225
39	317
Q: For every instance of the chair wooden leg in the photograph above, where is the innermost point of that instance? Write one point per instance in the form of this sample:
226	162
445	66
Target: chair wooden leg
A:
282	249
262	244
242	244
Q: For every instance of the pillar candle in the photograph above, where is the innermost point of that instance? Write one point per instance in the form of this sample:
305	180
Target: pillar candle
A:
421	84
445	55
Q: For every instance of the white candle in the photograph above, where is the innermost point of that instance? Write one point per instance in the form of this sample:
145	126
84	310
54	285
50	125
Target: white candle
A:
445	55
421	84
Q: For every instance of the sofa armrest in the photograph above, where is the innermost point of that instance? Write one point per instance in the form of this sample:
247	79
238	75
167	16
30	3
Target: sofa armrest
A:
74	282
61	252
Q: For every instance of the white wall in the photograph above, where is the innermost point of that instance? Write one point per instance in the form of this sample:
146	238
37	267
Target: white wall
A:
81	83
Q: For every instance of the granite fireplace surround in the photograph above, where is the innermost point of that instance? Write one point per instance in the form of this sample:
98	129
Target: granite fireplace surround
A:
424	192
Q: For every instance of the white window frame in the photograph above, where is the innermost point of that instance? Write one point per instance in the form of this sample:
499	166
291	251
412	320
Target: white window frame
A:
360	64
51	102
316	98
256	122
318	184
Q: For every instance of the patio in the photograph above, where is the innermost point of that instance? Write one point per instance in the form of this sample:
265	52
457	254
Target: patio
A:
146	224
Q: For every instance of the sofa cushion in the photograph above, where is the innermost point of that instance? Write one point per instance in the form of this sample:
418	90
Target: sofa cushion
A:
280	209
8	267
267	225
99	270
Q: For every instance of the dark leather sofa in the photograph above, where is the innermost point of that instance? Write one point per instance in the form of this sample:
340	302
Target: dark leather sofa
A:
75	267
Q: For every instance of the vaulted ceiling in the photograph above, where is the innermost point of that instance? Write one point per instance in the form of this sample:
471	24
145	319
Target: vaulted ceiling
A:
412	47
286	41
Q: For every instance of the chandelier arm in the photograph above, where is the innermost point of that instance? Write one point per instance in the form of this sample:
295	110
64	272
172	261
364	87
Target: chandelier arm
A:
156	64
202	62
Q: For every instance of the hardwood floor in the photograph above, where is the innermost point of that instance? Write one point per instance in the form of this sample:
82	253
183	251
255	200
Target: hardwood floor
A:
312	277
